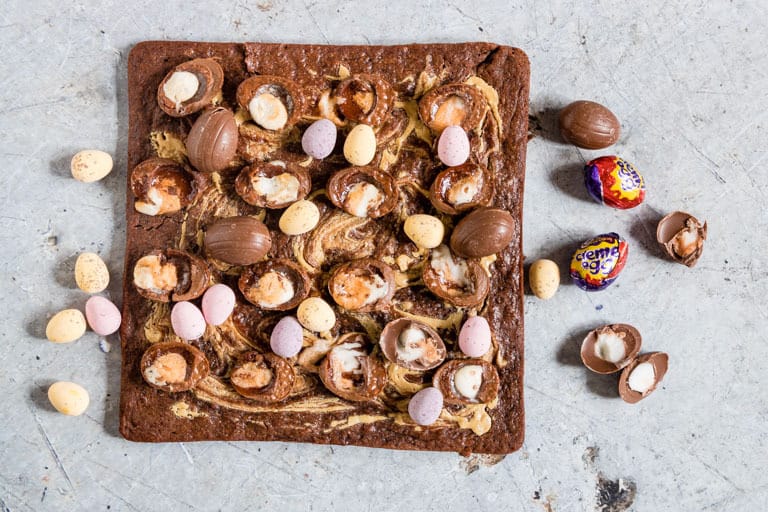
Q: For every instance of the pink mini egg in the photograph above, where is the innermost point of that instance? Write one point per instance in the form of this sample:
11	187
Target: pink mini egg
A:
287	337
319	139
102	315
218	303
425	406
187	321
475	336
453	146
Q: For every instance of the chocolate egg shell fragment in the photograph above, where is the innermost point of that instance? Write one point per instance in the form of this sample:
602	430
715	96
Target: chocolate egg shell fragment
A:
161	187
170	275
274	184
467	381
348	371
363	191
364	98
265	378
682	236
641	377
362	285
274	102
610	348
173	366
190	87
461	188
483	232
453	105
589	125
212	141
462	282
412	344
238	240
277	284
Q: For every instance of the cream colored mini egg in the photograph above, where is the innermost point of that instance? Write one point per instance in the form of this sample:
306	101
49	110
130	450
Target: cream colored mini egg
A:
91	165
91	273
65	326
544	278
360	146
68	398
316	315
299	218
424	230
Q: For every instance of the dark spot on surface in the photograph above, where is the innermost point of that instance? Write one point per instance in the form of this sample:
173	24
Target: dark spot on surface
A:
590	455
474	462
480	29
37	357
599	307
615	495
537	495
583	40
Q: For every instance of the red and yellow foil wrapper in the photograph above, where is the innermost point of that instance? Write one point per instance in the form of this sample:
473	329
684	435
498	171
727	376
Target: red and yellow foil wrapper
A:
597	262
613	181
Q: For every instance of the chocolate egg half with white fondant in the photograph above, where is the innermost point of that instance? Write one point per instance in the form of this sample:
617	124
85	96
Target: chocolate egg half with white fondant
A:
642	376
276	284
171	275
461	281
467	381
682	236
412	344
610	348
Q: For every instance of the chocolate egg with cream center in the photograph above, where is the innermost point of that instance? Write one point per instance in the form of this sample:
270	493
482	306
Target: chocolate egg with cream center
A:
596	263
614	182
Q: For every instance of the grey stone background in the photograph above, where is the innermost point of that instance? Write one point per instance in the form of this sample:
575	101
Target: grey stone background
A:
687	79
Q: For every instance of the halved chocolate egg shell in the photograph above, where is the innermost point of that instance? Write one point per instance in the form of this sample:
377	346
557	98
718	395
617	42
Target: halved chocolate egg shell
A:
462	282
273	102
171	275
190	87
363	191
467	381
641	377
453	105
682	236
348	371
362	285
610	348
265	378
162	187
412	344
274	184
173	366
364	98
278	284
461	188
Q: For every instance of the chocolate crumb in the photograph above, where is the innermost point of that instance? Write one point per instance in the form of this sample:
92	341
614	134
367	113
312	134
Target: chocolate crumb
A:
615	495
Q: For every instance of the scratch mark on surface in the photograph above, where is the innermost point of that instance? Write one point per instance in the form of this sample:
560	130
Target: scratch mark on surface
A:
186	452
717	473
51	449
315	23
116	496
464	14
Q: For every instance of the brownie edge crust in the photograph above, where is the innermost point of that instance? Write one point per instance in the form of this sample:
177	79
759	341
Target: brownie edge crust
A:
212	409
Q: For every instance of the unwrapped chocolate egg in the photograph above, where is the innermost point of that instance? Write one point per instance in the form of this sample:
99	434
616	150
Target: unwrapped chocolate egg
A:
613	181
597	262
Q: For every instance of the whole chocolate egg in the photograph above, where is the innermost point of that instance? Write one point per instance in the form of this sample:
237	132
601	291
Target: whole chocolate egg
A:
598	261
613	181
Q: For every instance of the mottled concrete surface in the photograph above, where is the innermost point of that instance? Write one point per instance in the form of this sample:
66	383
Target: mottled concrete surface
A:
688	80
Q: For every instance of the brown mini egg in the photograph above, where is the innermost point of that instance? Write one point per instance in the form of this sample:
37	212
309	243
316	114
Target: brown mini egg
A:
610	348
173	366
350	372
278	284
412	344
682	236
641	377
265	378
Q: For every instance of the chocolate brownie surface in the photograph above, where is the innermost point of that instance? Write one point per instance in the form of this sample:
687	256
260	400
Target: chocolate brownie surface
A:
212	410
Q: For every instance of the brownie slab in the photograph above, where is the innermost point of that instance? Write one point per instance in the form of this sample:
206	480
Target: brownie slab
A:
212	409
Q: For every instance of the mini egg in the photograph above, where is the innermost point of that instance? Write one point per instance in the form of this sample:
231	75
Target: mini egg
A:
65	326
475	336
360	146
316	315
102	315
598	261
287	337
187	321
218	303
425	406
544	278
453	146
68	398
613	181
319	139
